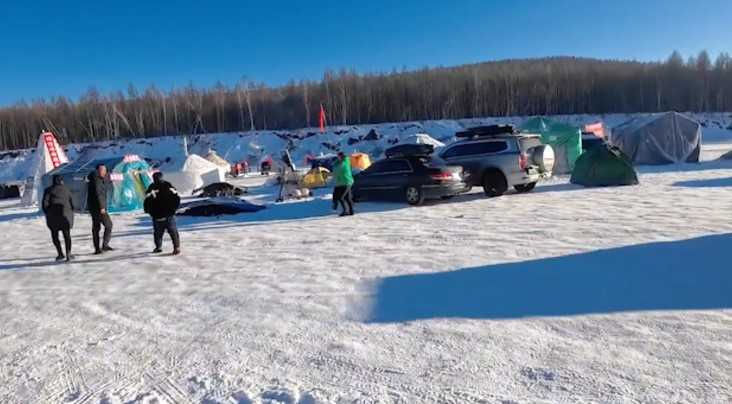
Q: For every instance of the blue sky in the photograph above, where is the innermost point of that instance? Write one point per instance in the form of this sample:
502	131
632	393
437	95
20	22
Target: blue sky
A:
63	47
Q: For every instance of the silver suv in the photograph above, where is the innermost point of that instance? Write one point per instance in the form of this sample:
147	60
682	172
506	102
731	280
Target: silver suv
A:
497	159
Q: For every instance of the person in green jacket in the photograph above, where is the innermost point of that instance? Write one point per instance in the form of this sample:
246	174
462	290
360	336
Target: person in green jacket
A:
343	177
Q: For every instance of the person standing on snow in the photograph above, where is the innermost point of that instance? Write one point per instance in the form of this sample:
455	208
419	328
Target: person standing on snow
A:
96	203
161	202
343	177
58	206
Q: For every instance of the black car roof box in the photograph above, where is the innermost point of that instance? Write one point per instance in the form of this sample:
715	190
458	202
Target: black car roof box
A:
410	150
489	130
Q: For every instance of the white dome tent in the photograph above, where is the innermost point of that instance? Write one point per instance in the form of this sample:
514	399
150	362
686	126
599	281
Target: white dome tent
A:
48	156
422	138
192	173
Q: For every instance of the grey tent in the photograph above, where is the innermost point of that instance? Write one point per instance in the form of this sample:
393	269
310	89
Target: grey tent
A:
665	138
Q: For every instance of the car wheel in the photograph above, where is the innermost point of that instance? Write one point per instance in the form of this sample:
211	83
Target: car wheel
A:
494	184
414	195
521	188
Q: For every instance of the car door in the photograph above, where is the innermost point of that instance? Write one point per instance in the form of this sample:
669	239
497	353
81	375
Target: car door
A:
463	154
395	178
365	181
474	157
383	180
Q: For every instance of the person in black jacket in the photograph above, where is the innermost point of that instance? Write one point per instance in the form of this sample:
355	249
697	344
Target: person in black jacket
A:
96	203
161	202
58	206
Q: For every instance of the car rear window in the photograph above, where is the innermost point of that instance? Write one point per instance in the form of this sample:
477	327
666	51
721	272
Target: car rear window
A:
389	166
470	149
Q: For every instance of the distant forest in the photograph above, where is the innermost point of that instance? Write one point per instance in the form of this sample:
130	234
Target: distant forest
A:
557	85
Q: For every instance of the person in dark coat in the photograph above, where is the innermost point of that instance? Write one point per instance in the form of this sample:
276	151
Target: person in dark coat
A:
58	206
161	202
96	202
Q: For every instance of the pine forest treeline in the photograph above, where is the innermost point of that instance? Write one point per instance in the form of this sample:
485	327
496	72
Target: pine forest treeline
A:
559	85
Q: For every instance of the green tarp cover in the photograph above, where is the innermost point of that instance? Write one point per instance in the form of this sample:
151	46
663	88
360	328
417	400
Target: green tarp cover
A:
603	166
560	136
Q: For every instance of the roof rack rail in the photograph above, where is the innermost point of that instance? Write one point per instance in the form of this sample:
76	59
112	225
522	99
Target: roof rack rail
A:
406	150
486	131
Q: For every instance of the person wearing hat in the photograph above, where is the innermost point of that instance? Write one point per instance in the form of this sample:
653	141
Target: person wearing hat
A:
161	202
343	177
58	206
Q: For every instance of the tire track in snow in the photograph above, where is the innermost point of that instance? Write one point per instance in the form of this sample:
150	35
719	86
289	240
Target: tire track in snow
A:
69	384
167	388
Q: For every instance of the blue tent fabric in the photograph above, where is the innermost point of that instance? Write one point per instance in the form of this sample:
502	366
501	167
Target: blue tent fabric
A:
129	193
130	178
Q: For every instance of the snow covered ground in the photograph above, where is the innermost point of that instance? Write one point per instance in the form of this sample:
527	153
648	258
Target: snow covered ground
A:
565	294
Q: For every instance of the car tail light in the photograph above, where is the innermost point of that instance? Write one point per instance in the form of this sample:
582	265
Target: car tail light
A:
444	176
523	161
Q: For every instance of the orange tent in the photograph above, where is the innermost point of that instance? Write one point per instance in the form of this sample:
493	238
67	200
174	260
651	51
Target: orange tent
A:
360	161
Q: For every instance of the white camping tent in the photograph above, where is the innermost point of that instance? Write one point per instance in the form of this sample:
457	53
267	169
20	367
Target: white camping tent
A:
224	166
48	155
422	138
192	173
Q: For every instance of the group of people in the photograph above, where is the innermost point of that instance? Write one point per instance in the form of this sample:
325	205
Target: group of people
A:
161	202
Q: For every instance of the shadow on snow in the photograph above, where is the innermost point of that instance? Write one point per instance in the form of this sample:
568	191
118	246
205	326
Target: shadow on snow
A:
80	259
680	275
709	183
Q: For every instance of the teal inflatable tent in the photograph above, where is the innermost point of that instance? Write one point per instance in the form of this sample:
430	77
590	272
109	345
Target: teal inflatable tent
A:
130	178
566	140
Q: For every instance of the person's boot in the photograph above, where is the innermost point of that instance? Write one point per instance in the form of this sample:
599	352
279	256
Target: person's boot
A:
107	248
98	251
157	250
176	251
60	257
69	257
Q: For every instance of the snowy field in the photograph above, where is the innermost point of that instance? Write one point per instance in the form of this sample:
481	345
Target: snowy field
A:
566	294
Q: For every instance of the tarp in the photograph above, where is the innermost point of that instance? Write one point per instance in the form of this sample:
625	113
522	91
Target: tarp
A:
566	140
218	206
603	165
192	173
130	178
48	156
316	178
360	161
666	138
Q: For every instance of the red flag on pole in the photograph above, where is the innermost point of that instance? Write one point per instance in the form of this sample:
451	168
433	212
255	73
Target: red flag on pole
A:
322	118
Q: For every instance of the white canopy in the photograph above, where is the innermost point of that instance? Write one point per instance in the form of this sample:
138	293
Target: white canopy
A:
192	173
422	138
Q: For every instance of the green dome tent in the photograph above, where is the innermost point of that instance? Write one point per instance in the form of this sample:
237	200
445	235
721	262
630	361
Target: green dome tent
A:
566	140
602	166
